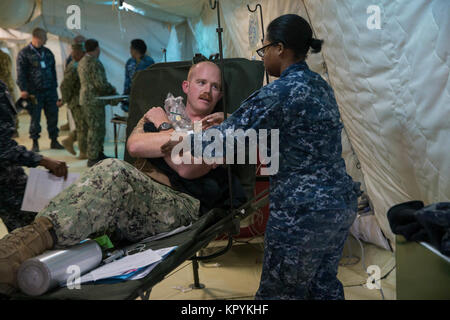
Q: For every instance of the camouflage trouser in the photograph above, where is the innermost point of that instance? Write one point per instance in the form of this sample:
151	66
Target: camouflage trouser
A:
301	261
95	116
81	127
114	196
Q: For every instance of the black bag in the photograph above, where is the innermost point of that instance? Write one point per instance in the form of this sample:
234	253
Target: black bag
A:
418	223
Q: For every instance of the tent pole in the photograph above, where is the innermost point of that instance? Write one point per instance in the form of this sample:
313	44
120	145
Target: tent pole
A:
219	30
262	30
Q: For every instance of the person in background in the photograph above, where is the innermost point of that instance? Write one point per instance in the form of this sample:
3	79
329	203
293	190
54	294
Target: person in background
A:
93	84
77	40
80	40
36	75
6	77
70	91
139	61
12	157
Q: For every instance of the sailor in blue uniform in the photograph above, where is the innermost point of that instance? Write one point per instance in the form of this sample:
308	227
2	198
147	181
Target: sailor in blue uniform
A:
139	61
36	75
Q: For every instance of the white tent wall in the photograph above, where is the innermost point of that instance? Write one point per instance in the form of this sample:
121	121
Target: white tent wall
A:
235	23
392	88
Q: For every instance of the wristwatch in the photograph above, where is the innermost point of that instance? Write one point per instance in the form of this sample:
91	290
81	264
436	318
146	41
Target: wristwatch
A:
165	126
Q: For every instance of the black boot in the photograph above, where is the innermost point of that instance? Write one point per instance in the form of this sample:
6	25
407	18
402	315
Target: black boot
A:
55	145
35	147
101	157
91	162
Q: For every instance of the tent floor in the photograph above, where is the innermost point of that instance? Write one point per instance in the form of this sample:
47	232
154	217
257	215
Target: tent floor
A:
236	274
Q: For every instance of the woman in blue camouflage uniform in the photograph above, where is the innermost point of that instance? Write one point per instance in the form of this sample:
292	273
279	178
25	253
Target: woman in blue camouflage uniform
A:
313	200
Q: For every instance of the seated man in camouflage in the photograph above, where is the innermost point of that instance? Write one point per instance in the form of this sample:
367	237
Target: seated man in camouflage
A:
114	196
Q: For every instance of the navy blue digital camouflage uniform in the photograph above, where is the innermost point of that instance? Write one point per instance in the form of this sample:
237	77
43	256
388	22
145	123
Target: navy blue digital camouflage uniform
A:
12	176
36	74
313	201
131	67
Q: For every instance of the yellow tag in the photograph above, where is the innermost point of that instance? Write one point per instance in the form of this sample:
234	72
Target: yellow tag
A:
178	118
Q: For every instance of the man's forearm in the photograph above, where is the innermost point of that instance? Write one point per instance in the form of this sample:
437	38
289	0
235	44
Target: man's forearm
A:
147	144
143	144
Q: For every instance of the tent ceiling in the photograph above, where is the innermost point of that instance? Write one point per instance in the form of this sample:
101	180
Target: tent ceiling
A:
184	8
15	13
170	11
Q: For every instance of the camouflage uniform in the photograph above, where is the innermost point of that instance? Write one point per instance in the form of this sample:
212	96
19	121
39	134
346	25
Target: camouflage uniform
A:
36	74
131	67
312	198
93	83
113	197
5	73
6	77
12	157
70	91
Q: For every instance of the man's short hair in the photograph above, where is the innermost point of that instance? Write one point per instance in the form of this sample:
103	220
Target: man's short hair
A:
38	33
90	45
78	39
195	65
78	47
139	45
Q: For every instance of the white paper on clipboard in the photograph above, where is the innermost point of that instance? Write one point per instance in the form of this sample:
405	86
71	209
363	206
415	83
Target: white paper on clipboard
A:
42	186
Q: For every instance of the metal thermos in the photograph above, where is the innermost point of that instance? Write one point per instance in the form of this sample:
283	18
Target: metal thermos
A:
42	273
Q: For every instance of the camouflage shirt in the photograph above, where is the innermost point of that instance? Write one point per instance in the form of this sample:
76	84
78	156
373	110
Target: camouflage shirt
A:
36	69
70	86
302	106
5	72
93	82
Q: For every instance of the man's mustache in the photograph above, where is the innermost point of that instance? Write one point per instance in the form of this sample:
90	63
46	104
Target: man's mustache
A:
206	96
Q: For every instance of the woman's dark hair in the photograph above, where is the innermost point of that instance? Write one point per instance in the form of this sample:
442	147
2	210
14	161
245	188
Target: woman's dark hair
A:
295	33
90	45
139	45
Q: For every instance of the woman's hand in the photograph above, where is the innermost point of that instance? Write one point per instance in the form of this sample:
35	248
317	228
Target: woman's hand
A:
56	167
212	119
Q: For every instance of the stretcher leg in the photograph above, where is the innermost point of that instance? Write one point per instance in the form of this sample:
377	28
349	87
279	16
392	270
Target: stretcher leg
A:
196	284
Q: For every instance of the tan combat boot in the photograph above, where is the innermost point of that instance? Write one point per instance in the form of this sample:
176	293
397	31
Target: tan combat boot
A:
68	143
20	245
